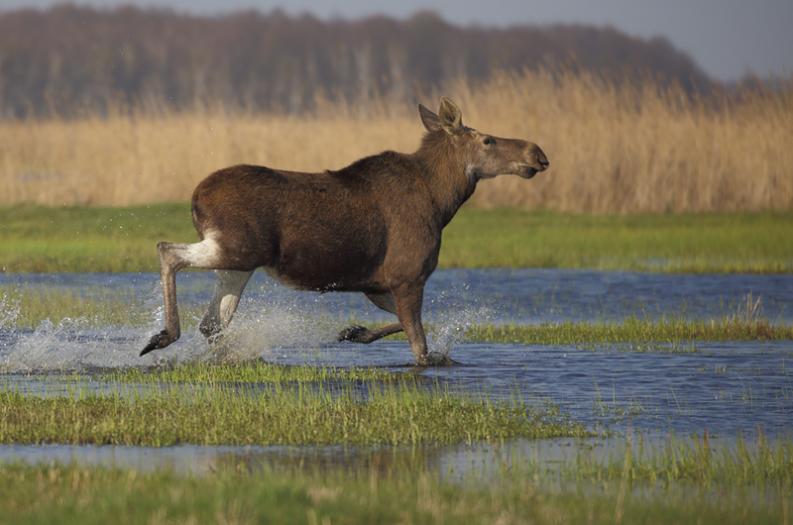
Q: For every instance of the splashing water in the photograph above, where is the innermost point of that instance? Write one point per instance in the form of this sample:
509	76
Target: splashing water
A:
9	313
453	321
74	345
71	344
259	329
270	324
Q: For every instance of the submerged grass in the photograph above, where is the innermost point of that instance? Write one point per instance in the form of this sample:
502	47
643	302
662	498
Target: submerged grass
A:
38	239
394	414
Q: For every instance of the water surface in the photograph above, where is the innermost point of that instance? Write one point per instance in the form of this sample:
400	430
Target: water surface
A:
499	295
726	389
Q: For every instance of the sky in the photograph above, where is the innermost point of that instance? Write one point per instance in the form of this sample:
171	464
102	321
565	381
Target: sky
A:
727	38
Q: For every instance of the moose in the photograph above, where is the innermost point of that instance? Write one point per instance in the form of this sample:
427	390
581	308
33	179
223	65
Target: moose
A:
373	227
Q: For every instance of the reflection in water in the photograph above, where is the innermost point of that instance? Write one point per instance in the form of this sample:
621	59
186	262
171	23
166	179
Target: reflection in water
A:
206	459
480	461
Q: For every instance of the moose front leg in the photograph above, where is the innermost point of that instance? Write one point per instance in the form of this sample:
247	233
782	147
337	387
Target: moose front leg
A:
408	305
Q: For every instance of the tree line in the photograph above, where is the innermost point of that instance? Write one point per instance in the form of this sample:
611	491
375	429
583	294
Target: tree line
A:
69	59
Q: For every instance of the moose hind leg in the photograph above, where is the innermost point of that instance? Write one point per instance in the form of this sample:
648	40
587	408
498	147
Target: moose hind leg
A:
174	257
384	301
361	334
228	290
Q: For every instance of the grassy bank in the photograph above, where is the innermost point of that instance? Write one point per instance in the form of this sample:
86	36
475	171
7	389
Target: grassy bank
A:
396	413
688	485
37	239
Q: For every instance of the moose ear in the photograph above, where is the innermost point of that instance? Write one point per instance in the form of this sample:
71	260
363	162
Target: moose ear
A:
451	118
429	119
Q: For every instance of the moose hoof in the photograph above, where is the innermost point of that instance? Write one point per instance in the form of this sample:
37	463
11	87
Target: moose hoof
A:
354	333
157	341
209	330
434	359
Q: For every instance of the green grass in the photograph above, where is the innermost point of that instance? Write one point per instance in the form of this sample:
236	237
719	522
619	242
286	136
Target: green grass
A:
663	243
392	491
400	413
250	372
38	239
694	461
632	330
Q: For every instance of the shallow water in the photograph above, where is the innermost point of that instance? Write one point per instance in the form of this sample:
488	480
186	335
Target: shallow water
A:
726	389
723	388
497	295
452	460
481	461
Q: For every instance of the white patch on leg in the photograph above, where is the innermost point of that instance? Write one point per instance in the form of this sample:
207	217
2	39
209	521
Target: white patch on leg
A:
231	286
204	254
228	305
226	298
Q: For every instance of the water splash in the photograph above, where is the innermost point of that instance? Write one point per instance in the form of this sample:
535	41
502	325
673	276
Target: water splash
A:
265	329
80	345
272	323
458	314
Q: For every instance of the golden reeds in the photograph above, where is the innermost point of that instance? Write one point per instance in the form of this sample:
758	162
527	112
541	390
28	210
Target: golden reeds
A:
613	148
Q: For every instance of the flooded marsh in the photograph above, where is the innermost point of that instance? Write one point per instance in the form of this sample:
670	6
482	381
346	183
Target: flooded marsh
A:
566	394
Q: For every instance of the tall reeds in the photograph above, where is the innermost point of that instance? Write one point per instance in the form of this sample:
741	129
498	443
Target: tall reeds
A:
614	147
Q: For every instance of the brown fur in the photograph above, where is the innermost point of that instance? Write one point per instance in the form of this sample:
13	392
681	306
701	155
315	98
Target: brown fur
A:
372	227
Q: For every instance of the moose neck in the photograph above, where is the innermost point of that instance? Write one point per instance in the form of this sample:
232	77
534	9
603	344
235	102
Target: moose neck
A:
449	184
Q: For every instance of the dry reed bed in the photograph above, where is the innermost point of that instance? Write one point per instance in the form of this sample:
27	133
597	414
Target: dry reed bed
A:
612	149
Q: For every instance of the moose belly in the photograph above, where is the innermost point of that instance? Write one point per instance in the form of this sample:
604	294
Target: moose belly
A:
339	262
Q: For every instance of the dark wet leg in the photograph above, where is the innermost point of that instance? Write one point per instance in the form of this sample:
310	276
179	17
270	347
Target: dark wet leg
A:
361	334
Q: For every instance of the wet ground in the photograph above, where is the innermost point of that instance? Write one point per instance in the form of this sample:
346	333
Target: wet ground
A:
726	389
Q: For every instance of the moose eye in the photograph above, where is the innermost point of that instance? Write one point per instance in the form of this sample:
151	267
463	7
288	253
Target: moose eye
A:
489	141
